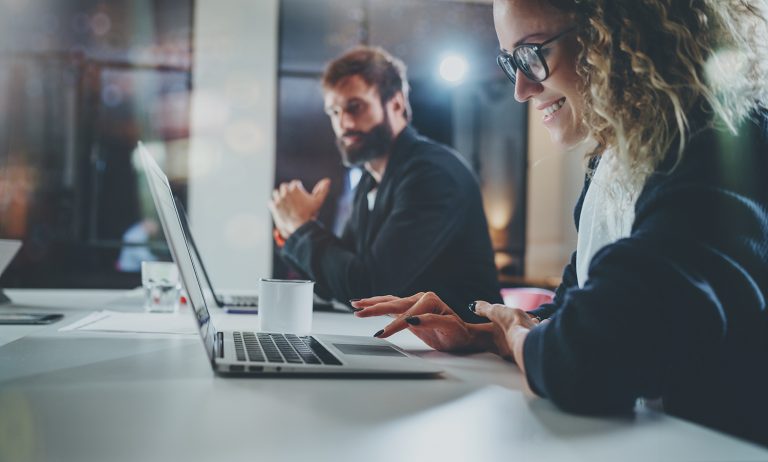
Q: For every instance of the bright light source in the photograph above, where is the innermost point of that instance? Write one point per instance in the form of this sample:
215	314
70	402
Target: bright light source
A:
453	68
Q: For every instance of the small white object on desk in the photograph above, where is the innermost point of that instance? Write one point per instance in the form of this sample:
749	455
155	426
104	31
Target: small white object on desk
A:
152	323
162	288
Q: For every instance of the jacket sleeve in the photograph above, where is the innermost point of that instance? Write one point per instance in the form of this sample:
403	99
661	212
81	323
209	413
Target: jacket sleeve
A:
569	279
428	205
654	303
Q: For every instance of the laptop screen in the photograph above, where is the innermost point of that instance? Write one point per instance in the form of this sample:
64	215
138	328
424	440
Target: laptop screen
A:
198	260
174	234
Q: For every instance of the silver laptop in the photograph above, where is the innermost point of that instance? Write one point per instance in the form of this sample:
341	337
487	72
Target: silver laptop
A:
232	303
262	353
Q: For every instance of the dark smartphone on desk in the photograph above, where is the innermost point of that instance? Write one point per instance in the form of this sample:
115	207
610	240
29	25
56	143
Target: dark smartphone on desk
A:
28	318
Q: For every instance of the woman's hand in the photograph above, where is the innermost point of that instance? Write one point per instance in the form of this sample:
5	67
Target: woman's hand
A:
430	319
511	327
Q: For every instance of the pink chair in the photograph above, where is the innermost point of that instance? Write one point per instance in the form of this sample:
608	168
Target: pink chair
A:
526	298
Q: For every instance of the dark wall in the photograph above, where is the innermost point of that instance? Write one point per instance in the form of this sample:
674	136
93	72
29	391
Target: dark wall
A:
81	82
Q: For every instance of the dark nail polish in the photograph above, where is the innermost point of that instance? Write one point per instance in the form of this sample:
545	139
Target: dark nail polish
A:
378	333
472	306
356	309
413	320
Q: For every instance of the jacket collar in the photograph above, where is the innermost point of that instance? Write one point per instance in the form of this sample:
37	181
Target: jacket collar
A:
400	148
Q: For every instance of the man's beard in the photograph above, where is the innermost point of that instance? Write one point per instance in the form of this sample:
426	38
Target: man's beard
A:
372	144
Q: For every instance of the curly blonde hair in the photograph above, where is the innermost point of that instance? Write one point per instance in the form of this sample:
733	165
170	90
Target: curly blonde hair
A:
649	64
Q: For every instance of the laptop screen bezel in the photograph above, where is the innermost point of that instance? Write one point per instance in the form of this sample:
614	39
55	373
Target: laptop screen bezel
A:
160	189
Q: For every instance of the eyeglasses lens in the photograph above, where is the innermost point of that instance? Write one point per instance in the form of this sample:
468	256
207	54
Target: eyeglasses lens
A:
530	63
507	65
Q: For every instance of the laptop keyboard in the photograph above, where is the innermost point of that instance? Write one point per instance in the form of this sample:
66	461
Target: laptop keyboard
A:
281	348
242	300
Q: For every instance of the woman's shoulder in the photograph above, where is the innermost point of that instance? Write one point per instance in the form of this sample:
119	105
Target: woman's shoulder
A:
721	173
717	156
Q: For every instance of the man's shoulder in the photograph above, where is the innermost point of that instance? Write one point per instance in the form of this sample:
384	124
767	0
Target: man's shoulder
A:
424	145
423	151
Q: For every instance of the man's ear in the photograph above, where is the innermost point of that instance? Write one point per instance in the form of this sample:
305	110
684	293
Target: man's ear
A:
397	104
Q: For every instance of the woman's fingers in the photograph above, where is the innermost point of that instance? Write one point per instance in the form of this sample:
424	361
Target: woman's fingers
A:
378	306
428	303
504	316
499	314
445	332
366	302
384	308
434	323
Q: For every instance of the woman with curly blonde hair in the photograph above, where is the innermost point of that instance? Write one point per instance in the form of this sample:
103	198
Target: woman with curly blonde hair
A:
666	294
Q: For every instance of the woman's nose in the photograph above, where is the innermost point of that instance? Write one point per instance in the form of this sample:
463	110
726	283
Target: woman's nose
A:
525	89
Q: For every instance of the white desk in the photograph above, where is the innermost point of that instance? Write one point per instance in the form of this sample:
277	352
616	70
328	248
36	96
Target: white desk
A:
77	396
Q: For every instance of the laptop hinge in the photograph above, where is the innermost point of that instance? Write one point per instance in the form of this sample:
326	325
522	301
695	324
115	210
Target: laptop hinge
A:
220	344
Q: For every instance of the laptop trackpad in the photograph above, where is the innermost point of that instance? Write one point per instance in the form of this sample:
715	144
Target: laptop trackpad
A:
367	350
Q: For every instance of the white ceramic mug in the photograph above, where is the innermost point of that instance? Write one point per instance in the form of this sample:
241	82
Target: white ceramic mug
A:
285	306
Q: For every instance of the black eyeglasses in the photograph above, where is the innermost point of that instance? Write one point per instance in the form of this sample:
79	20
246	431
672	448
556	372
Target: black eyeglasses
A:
528	57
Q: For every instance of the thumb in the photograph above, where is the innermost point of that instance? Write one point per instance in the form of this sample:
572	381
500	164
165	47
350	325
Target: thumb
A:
321	189
498	314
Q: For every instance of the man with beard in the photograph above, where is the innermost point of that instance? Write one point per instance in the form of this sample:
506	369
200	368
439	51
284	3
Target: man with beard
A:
417	222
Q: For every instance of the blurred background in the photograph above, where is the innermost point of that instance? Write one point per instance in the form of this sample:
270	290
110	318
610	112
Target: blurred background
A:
226	94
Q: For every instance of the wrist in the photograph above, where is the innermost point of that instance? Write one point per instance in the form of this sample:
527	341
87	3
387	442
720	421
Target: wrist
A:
483	336
519	334
291	228
279	238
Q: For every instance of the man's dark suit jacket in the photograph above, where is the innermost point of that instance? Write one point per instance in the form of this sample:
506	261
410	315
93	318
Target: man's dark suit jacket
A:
427	232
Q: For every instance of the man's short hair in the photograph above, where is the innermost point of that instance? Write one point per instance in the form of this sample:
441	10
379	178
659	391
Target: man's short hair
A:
376	67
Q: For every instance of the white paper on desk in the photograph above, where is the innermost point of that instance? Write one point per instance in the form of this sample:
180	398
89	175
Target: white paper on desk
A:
153	323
